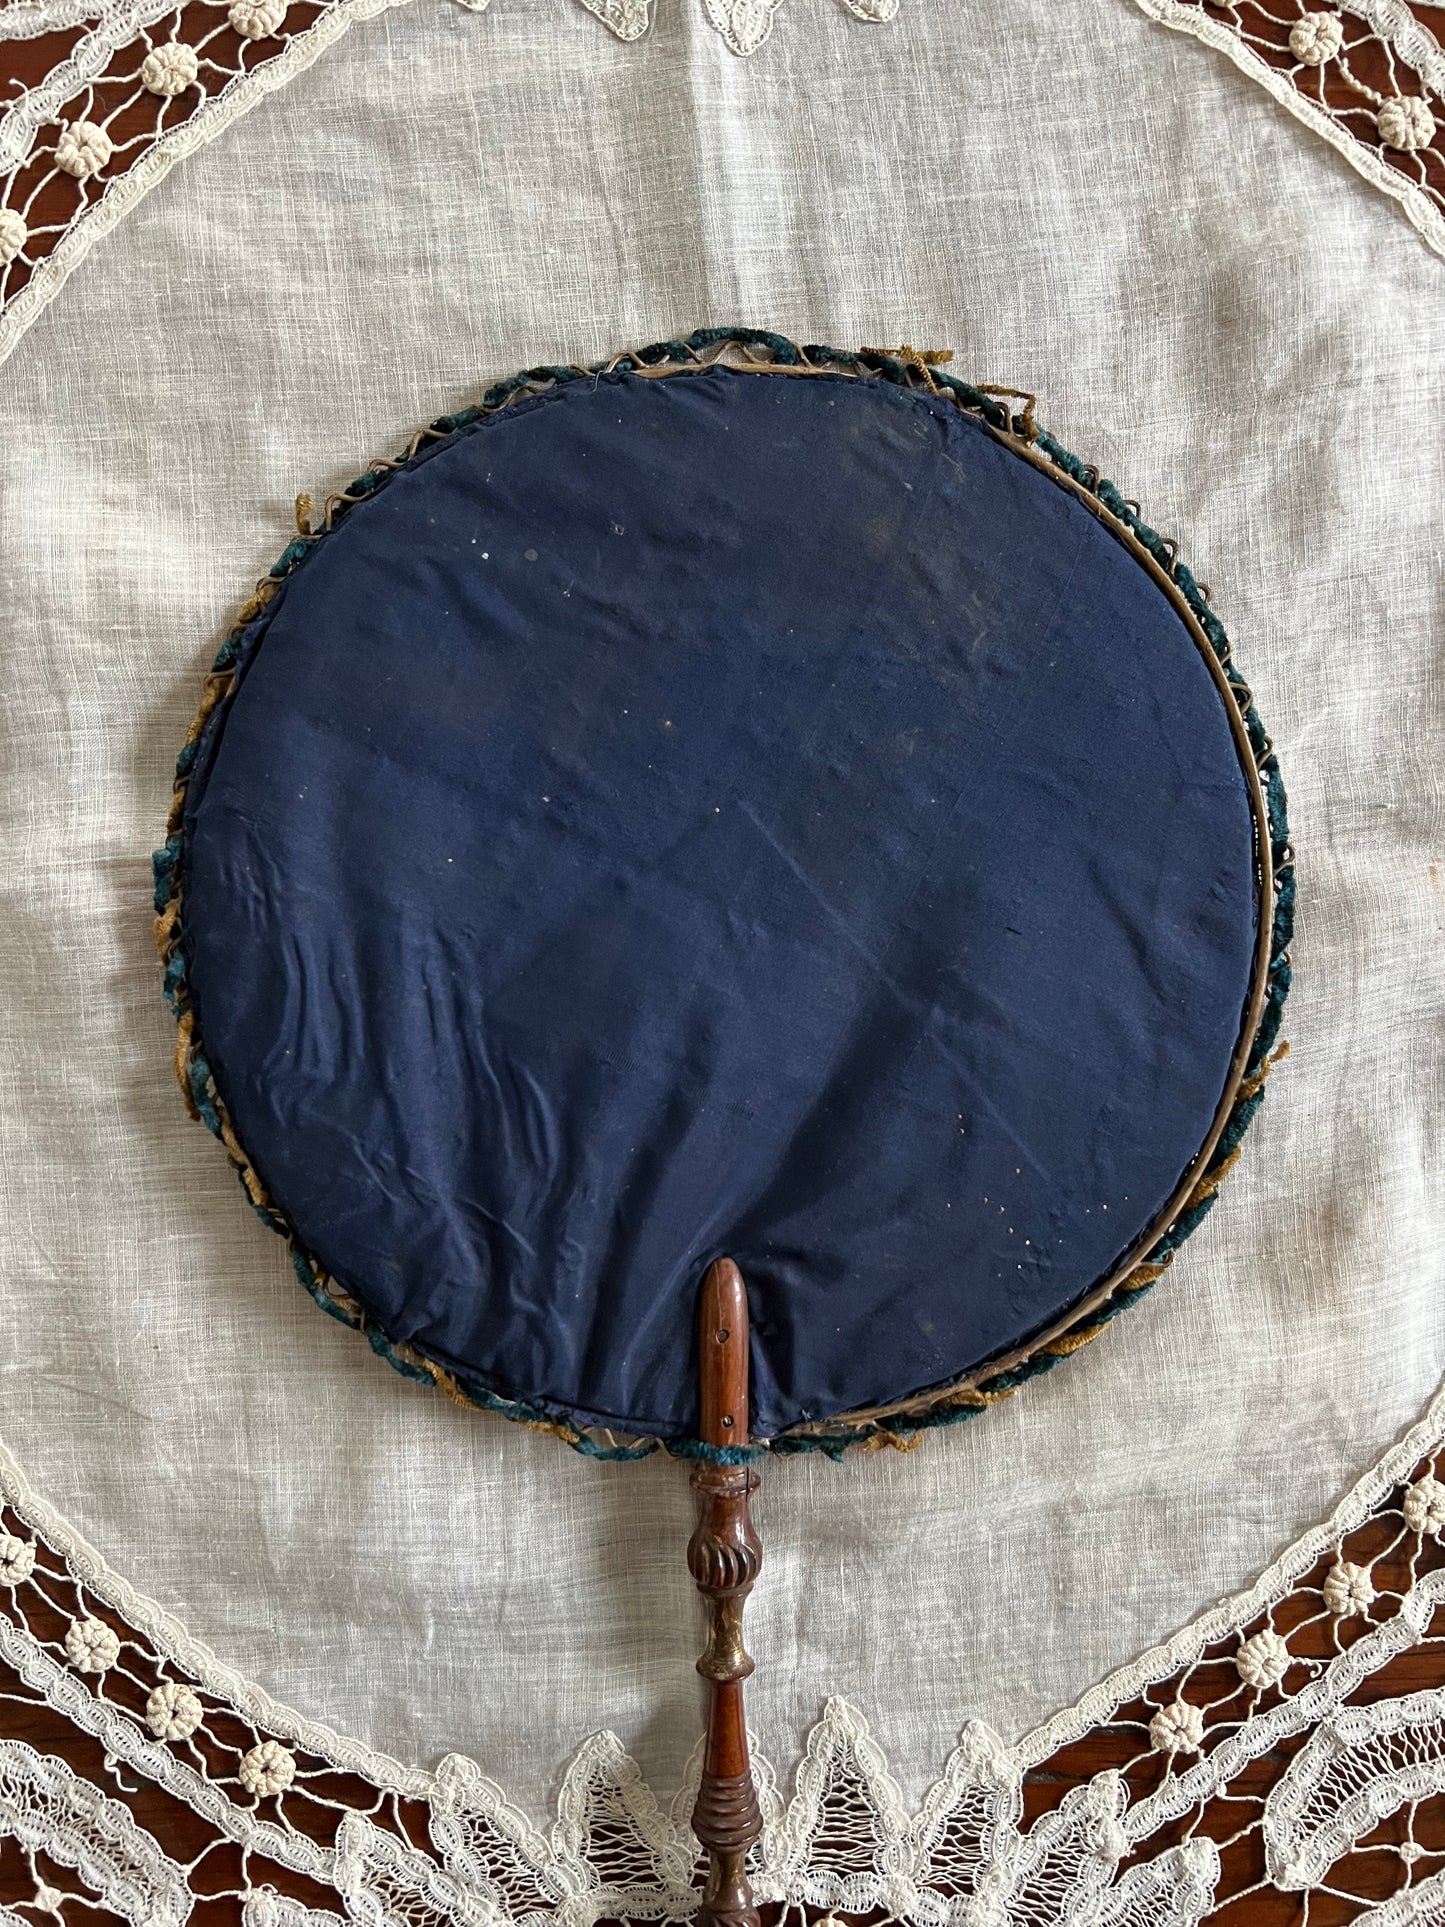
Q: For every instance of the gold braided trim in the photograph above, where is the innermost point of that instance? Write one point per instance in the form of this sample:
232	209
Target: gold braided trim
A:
165	928
265	589
185	1025
891	1442
1030	402
1073	1341
921	360
1255	1082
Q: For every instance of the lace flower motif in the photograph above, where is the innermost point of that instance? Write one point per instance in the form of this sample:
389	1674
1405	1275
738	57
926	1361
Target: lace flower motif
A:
82	149
1177	1728
91	1645
17	1560
1424	1507
13	235
256	19
1406	123
267	1769
1263	1660
1348	1589
168	70
1316	37
172	1711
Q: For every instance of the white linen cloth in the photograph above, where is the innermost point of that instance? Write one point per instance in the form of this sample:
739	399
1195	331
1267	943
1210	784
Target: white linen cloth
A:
1213	308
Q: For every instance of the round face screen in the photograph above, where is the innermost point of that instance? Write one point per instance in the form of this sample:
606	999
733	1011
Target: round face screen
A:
723	814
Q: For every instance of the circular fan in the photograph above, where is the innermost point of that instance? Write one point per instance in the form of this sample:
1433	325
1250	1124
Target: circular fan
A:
741	807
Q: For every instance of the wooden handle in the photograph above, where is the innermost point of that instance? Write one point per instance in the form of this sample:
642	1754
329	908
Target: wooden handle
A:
724	1556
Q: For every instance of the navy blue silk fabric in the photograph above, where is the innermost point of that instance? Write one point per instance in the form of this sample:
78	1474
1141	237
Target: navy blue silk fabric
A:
725	814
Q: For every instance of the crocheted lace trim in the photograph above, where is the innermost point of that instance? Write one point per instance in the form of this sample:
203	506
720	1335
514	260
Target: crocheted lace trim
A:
139	84
1268	1748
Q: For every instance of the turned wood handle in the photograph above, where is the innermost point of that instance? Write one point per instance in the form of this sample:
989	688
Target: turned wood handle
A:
724	1556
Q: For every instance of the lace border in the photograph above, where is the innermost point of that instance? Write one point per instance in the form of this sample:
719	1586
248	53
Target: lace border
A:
1271	1722
140	84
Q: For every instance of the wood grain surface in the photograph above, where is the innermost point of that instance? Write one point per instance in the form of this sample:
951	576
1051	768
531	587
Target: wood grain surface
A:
725	1557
